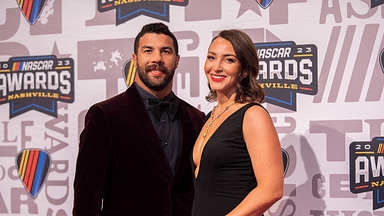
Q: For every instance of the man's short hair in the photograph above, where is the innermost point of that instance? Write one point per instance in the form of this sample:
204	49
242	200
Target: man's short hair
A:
157	28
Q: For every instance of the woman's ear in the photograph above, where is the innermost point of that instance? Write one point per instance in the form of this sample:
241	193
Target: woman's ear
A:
245	74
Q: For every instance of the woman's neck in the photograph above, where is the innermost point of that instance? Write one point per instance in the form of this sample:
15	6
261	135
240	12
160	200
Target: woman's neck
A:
225	100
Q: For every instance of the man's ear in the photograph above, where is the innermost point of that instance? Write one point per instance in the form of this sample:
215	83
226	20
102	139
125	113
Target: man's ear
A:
177	61
134	59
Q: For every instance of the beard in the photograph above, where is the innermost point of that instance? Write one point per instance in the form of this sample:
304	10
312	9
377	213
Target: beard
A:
155	84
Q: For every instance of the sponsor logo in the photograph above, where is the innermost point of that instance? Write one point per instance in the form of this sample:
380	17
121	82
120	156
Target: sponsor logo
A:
33	167
381	59
285	160
129	72
31	9
285	70
375	3
129	9
264	3
36	83
367	169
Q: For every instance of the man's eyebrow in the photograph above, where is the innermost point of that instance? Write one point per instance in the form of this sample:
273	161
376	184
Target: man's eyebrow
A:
162	48
167	47
146	47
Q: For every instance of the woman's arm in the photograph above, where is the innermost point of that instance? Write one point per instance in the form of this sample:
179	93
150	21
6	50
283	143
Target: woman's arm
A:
265	152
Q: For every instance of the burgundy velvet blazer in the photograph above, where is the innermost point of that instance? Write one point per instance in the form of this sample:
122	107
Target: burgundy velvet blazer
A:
121	167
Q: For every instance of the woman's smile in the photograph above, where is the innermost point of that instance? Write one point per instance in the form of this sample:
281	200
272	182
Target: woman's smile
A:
217	78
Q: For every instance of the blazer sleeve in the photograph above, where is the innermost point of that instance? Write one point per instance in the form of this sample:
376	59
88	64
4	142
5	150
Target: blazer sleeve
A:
92	163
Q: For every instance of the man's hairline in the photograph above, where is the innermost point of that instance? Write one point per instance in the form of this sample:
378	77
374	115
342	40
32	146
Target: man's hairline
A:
166	47
158	33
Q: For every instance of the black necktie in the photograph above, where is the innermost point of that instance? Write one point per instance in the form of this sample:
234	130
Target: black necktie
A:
158	106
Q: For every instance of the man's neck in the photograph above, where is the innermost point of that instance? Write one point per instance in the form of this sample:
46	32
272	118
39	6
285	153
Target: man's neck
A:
159	94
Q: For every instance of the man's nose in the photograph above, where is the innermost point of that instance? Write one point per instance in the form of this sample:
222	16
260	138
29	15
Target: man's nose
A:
156	57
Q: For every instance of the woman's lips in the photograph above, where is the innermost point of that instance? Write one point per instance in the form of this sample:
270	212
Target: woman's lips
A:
217	78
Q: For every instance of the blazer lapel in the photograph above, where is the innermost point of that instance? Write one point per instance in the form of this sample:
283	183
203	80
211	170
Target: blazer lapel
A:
152	139
189	137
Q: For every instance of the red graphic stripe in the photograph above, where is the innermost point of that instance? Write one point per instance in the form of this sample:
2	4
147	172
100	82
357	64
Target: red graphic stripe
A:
35	157
18	66
306	88
381	146
25	5
28	167
29	9
362	187
65	97
105	6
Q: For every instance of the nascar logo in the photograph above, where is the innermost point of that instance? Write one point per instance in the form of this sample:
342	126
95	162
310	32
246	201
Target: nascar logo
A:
375	3
264	3
36	82
129	72
381	59
285	70
129	9
33	167
31	9
366	165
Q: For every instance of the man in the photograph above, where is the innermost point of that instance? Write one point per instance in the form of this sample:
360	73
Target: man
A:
134	152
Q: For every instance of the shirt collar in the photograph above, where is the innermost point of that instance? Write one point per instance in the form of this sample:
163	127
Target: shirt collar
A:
145	95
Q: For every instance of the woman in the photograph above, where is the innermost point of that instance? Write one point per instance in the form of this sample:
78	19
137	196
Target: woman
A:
237	159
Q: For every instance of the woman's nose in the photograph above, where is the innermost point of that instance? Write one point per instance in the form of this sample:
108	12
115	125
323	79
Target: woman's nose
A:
217	66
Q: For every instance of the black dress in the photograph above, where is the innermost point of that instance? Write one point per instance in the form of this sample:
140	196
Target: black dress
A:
226	175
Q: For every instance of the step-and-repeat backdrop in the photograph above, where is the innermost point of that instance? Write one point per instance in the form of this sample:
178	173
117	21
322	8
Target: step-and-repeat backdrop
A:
321	65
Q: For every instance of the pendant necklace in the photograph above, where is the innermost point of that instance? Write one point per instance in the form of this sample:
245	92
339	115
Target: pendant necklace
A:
212	118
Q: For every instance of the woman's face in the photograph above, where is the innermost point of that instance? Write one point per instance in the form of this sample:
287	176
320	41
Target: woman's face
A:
222	66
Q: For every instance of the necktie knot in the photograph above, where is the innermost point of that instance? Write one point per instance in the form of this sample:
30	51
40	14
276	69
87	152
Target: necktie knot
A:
157	107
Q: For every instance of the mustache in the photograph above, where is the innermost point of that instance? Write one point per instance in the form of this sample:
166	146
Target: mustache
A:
156	67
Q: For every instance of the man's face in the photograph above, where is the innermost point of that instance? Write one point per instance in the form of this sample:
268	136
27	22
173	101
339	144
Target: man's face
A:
156	62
